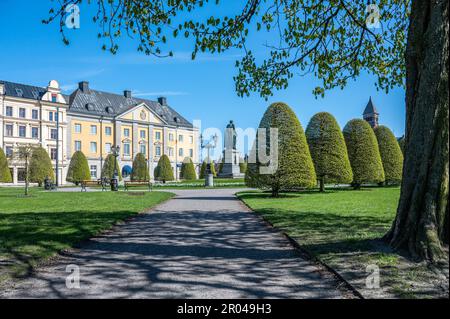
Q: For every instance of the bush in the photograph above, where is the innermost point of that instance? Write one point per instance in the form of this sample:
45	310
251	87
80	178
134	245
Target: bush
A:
242	166
78	169
328	150
163	171
5	174
41	166
362	147
401	144
188	170
391	154
295	167
140	169
203	169
108	167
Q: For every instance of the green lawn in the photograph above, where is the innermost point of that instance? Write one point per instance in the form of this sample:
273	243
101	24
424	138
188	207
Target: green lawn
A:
342	228
190	184
36	227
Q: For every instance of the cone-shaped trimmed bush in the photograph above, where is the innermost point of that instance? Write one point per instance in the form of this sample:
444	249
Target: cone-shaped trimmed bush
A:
391	154
362	147
140	169
78	168
213	169
295	167
5	174
328	150
108	167
163	171
41	166
203	170
188	169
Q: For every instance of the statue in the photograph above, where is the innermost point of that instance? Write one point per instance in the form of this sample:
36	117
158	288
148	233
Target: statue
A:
230	167
230	136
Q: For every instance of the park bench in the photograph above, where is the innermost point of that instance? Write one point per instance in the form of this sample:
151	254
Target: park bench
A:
101	182
129	184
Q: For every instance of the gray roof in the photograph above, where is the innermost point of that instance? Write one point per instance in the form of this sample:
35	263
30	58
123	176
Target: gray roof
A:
99	103
370	108
24	91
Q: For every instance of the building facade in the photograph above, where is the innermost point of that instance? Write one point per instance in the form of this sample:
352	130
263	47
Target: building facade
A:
94	121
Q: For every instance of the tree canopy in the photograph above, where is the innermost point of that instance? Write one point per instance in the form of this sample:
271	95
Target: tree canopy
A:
5	174
78	168
164	171
41	166
108	167
188	170
140	168
391	154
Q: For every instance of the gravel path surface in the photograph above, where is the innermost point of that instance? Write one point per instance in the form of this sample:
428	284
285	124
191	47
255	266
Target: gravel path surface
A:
201	244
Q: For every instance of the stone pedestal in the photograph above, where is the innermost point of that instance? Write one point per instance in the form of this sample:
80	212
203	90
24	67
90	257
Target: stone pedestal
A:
230	168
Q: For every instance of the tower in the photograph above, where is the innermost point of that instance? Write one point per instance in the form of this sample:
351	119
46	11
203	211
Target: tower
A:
371	114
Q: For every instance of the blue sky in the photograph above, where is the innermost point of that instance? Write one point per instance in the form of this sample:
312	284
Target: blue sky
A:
33	53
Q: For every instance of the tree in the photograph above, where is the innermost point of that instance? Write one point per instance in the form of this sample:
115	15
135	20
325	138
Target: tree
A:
203	168
391	154
41	166
328	150
164	171
23	155
363	153
78	168
294	167
337	43
188	169
5	174
140	169
109	167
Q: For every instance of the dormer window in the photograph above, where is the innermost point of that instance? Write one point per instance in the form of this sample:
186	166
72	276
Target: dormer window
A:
54	98
19	92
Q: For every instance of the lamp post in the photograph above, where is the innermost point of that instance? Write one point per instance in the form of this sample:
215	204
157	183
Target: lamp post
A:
212	143
57	146
115	150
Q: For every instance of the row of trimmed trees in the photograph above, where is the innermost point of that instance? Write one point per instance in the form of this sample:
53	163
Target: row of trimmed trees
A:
325	154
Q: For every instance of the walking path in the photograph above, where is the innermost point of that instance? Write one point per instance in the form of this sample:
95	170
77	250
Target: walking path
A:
201	244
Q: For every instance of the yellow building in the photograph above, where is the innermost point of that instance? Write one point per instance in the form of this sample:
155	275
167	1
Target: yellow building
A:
97	121
29	115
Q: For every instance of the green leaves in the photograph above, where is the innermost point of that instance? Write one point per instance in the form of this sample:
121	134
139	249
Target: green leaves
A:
140	168
78	168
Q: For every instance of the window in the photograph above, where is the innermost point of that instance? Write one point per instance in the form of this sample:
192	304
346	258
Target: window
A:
93	129
9	130
9	111
191	153
53	134
126	132
9	151
108	147
35	114
21	174
180	152
170	151
22	112
170	137
126	149
94	171
53	154
50	116
180	138
54	98
93	147
158	151
77	146
77	128
191	139
108	131
143	149
158	136
35	132
22	131
143	134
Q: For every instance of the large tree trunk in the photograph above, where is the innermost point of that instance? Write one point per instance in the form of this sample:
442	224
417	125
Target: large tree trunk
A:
422	225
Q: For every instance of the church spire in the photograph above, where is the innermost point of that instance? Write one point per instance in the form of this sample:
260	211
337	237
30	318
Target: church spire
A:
371	114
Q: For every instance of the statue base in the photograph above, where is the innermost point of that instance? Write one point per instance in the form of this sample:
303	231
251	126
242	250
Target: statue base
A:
231	169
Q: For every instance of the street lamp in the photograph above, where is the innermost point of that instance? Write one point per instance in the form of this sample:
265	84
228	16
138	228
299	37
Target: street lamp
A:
115	150
212	143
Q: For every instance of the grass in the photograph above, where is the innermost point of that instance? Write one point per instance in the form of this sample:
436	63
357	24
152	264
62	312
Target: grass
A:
343	229
37	227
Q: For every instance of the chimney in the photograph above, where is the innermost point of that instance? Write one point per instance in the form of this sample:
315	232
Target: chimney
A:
84	86
162	100
127	94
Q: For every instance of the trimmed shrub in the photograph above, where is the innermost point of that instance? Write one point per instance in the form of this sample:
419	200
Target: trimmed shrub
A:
164	171
362	147
108	167
295	167
328	150
41	166
213	169
5	174
242	166
140	168
188	169
78	168
203	169
391	154
401	144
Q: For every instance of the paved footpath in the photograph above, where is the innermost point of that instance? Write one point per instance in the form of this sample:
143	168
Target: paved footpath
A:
201	244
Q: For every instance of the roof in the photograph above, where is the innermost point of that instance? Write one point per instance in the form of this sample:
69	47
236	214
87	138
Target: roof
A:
98	103
23	91
370	108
